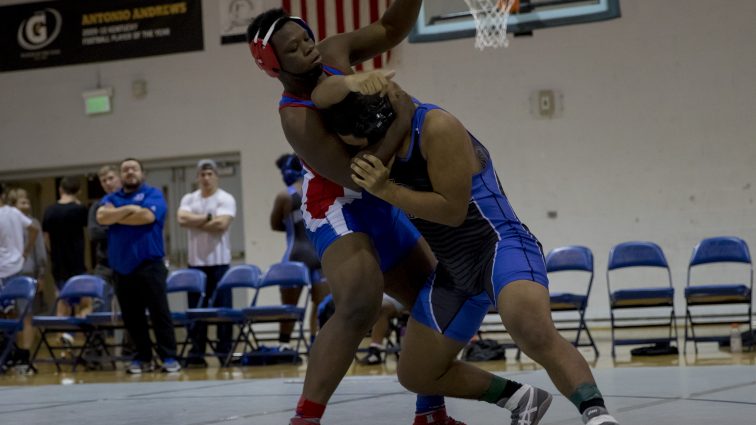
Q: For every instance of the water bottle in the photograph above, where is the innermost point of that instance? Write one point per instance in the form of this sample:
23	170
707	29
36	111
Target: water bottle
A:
736	340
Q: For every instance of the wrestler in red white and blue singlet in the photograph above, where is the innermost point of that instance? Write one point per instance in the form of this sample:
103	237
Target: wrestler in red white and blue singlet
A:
331	211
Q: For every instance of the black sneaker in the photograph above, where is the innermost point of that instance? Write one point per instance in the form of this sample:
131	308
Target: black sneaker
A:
373	357
198	362
21	356
24	369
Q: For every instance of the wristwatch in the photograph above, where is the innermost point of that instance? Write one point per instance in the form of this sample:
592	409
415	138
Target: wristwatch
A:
209	216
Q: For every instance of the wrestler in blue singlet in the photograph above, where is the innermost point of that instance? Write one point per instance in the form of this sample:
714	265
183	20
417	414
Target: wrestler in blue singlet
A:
490	249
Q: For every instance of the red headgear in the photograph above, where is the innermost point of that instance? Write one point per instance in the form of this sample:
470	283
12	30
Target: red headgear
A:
262	51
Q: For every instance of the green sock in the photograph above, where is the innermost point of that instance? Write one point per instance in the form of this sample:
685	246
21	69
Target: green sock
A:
585	396
500	388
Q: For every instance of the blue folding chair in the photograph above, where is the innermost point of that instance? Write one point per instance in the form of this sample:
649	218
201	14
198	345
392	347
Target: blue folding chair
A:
289	274
107	320
711	251
18	291
572	259
243	276
76	288
633	255
186	281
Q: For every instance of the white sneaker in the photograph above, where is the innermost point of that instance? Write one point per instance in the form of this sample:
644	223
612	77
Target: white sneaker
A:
598	416
6	307
170	365
528	405
67	339
137	368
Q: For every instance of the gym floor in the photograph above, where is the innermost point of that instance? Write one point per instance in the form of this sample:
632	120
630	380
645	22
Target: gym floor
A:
711	387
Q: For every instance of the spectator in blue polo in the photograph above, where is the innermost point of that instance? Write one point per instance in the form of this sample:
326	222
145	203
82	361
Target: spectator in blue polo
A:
136	216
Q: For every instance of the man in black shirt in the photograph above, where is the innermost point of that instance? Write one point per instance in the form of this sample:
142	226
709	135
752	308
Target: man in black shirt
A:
64	224
110	180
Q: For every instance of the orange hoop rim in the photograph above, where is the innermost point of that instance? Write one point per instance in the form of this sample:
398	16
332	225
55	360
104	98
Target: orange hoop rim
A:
502	4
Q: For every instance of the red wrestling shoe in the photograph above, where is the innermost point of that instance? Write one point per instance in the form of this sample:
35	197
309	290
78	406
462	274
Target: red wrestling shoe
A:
436	417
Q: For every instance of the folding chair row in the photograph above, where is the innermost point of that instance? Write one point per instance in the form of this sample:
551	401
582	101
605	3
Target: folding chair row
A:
76	288
180	281
647	296
723	250
283	275
95	326
289	274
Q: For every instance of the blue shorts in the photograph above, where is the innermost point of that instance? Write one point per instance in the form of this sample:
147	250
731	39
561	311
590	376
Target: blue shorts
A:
453	311
518	258
448	312
390	230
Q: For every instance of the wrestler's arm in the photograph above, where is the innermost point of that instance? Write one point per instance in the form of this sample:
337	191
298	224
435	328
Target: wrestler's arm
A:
327	154
318	148
404	108
334	89
378	37
451	165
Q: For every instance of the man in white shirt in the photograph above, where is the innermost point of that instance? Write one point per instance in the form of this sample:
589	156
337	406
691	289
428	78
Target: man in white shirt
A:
207	213
13	251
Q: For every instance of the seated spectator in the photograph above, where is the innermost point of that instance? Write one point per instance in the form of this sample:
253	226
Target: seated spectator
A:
17	237
35	266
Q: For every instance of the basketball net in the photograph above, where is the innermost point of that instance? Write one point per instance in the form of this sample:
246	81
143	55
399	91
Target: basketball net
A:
491	21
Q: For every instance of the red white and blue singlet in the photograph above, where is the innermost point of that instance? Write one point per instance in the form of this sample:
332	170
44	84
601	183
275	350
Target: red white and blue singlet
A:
331	211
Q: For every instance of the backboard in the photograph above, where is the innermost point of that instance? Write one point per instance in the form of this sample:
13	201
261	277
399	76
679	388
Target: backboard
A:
451	19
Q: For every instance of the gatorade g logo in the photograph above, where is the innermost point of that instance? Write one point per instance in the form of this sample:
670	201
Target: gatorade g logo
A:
40	29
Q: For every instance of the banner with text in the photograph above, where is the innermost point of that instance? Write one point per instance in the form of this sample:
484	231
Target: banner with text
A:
39	35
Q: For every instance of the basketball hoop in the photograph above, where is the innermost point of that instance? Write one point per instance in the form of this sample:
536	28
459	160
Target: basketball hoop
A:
491	21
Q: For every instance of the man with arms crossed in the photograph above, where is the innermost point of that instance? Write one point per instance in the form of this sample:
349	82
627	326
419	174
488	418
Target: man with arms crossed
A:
207	214
136	216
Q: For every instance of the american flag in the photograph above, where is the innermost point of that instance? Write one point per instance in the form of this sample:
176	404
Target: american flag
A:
329	17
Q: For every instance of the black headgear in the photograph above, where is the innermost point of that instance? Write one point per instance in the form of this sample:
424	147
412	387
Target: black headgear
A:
361	116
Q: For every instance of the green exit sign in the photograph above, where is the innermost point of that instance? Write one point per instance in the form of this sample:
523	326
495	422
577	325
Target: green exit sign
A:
97	101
